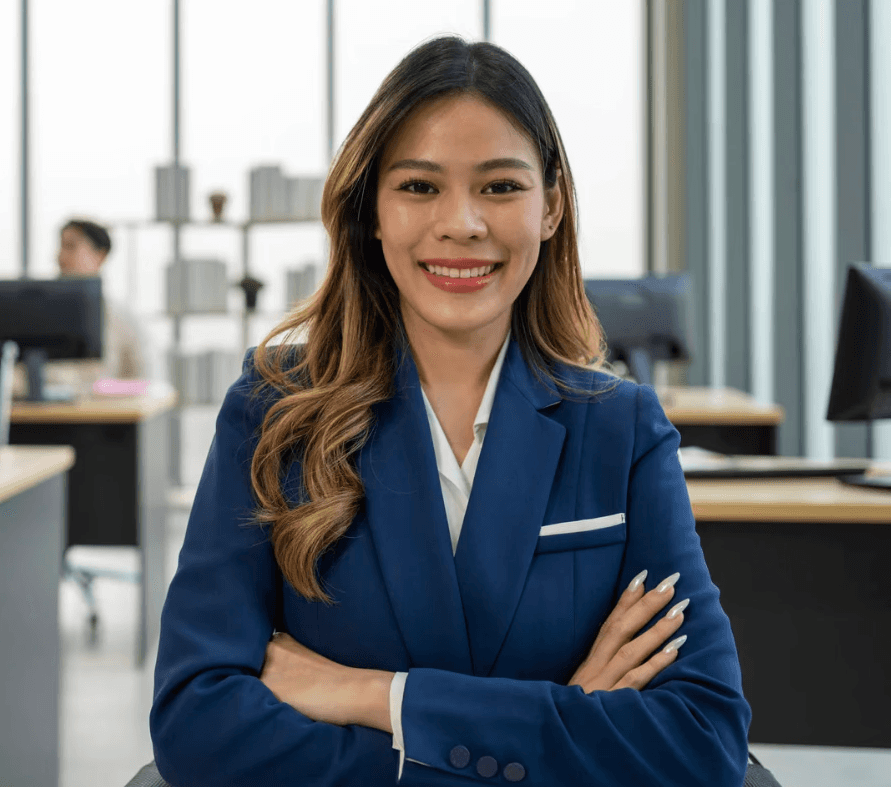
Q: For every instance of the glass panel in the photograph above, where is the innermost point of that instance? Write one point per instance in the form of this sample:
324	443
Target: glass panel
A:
369	44
254	93
100	121
588	60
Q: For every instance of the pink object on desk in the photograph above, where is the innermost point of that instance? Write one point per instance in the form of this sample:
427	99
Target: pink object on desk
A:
112	387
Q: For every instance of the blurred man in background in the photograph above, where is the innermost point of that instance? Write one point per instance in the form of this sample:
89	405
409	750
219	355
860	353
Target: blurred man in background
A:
83	248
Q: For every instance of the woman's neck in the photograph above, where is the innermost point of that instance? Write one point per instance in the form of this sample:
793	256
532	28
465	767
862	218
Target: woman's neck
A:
447	362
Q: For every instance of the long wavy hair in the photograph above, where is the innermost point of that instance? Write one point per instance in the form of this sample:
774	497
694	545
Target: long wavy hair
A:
322	411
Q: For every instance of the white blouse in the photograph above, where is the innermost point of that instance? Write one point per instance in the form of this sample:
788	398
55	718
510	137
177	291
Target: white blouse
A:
456	482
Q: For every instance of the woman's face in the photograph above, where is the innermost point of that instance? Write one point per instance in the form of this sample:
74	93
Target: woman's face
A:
77	256
460	185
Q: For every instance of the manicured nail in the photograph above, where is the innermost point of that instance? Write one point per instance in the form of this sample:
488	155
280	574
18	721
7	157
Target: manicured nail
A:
675	644
667	583
635	583
677	609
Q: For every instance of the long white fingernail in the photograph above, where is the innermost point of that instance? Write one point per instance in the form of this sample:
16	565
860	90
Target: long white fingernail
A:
668	582
675	644
635	583
677	609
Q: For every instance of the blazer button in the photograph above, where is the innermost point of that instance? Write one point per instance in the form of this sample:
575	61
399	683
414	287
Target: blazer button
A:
514	772
459	757
487	766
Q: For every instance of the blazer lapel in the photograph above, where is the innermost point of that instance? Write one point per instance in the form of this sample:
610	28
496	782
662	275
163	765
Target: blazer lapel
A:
405	511
507	506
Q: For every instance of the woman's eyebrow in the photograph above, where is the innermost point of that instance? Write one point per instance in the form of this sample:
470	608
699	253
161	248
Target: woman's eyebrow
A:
485	166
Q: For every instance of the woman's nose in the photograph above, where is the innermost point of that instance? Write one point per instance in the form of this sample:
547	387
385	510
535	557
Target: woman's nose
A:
458	217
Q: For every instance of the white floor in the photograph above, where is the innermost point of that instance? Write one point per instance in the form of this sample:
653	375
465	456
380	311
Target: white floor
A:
106	700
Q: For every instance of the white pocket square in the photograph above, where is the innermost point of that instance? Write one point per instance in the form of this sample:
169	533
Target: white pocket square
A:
581	525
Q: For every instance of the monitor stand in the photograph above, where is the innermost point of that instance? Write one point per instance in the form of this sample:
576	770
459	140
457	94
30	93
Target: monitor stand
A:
640	365
38	391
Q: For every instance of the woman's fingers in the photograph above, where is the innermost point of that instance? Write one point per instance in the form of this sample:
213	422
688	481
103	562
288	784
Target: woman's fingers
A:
633	611
618	657
634	653
640	676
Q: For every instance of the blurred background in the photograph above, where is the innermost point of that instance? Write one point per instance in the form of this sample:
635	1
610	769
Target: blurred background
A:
742	142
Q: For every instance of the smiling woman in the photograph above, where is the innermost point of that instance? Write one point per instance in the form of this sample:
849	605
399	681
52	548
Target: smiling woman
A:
419	548
461	190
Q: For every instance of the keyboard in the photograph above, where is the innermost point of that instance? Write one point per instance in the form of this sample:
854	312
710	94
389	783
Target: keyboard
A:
701	463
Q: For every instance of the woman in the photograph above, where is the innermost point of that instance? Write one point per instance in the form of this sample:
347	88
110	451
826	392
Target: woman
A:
387	625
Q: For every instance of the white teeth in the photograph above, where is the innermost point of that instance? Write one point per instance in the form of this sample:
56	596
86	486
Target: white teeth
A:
459	273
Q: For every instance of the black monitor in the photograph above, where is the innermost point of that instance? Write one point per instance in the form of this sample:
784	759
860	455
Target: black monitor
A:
861	382
51	319
645	320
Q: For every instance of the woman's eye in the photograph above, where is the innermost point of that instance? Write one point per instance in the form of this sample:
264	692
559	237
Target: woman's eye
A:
504	187
416	187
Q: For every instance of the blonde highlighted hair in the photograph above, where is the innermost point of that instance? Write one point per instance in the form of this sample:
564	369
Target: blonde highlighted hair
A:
322	411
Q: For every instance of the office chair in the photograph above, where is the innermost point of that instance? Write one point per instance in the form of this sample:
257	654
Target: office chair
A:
148	776
756	776
84	578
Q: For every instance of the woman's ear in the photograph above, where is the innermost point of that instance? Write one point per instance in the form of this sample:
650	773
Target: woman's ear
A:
553	208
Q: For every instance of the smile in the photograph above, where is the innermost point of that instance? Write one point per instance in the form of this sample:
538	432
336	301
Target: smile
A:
458	273
459	281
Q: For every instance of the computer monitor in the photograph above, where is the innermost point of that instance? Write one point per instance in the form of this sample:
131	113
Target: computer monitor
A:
861	381
51	319
646	319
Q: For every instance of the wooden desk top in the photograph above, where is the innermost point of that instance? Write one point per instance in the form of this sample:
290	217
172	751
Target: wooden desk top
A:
25	466
789	500
702	405
159	398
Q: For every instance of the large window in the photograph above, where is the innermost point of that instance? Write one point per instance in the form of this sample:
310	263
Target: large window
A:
10	139
588	60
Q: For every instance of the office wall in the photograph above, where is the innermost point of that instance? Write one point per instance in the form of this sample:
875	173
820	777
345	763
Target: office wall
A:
781	195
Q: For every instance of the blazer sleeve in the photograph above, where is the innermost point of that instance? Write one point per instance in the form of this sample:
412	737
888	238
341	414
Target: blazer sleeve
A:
687	727
213	723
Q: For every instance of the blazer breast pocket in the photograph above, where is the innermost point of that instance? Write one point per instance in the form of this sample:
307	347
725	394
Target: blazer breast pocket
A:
582	533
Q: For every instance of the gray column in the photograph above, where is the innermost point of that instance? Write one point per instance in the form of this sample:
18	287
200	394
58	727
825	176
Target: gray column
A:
818	189
698	219
25	206
880	185
852	198
787	211
737	326
716	216
761	197
666	215
330	62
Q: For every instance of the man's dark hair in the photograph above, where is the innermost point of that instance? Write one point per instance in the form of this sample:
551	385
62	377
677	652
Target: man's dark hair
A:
96	234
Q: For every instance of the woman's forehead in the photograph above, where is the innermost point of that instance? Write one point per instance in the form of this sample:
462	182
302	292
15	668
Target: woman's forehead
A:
456	129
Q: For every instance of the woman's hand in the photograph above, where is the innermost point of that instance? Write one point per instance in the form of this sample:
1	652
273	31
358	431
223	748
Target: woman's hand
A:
617	659
324	690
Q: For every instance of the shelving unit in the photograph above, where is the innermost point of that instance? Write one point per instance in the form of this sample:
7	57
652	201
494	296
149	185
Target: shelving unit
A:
132	229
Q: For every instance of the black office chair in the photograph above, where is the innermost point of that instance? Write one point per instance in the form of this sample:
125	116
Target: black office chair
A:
756	776
148	776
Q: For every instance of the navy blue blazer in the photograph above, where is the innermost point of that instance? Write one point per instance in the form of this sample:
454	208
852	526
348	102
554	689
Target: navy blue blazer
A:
489	636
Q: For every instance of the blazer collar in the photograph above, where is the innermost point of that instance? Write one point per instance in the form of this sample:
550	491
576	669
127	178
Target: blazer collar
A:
454	612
